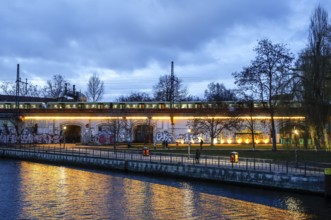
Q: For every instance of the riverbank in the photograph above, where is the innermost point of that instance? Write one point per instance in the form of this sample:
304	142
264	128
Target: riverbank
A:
249	172
262	151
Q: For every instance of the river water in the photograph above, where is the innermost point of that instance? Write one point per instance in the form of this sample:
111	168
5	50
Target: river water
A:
39	191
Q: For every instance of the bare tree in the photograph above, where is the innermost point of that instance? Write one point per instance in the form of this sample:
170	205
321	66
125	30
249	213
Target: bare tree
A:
314	70
128	126
95	89
115	126
9	88
268	77
163	91
55	88
218	92
213	124
135	97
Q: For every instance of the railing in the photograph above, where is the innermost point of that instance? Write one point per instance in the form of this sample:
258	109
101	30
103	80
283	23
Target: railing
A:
249	164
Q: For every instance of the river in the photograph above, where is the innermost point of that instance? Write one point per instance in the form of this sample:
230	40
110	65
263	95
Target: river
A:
40	191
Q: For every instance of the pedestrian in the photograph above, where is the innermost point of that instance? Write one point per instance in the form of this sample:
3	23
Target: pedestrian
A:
197	156
201	143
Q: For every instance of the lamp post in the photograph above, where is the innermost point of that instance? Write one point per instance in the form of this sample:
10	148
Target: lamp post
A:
296	133
64	136
189	143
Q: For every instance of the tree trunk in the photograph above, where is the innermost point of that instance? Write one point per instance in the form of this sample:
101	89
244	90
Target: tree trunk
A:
273	133
326	139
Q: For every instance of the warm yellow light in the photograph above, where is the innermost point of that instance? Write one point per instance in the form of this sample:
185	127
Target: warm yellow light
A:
161	118
247	141
229	141
257	141
222	141
137	118
70	117
189	130
239	141
266	141
182	141
158	117
242	117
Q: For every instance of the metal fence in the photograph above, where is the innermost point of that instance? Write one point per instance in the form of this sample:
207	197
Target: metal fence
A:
249	164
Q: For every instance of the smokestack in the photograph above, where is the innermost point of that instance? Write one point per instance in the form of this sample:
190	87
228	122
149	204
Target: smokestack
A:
65	88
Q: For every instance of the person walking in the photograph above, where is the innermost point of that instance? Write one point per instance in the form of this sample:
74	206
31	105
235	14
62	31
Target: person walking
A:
201	143
197	156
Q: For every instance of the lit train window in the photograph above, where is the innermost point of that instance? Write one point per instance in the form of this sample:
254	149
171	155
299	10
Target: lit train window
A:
190	105
2	106
26	106
183	106
6	106
100	106
68	106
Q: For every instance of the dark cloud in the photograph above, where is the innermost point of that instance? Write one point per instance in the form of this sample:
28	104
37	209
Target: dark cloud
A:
68	36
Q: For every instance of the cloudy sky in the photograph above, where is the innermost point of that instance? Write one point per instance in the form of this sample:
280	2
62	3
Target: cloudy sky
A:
129	44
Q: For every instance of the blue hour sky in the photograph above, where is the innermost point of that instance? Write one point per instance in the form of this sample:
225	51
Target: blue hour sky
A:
129	44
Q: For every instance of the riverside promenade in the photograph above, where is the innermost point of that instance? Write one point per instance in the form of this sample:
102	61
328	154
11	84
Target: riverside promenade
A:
300	177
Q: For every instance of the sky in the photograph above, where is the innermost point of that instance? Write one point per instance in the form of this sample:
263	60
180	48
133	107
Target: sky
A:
129	44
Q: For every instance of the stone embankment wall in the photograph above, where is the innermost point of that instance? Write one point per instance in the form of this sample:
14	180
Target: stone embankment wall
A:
299	182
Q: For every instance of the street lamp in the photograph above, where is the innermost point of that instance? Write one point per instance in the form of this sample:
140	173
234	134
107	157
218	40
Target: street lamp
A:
189	143
296	134
64	136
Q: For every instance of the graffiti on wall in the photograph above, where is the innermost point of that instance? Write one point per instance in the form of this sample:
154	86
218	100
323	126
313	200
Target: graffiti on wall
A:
27	137
180	138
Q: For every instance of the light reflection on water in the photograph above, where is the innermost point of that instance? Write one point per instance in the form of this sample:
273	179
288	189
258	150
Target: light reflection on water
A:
39	191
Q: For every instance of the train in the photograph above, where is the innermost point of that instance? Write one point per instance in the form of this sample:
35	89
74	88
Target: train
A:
104	106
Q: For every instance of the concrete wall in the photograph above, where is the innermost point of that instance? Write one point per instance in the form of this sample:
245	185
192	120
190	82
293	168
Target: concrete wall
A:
311	184
49	131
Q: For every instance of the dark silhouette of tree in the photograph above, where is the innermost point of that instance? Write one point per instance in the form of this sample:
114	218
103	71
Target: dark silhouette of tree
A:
314	72
95	89
268	77
218	92
55	88
9	88
135	97
162	90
